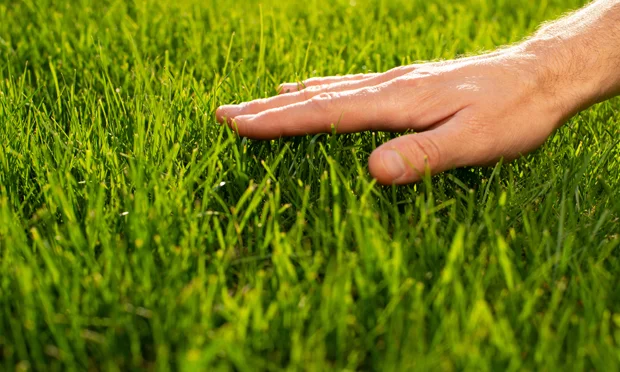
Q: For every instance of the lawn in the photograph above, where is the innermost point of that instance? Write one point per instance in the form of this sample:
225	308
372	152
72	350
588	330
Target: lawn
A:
137	233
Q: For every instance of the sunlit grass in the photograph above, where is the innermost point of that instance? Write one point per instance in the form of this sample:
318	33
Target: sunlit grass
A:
135	232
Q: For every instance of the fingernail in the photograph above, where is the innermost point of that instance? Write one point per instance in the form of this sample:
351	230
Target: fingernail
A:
393	164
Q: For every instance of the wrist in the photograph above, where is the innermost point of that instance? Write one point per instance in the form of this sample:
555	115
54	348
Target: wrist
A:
578	58
575	74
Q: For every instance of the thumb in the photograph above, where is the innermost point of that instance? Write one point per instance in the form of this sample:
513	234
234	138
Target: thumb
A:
407	158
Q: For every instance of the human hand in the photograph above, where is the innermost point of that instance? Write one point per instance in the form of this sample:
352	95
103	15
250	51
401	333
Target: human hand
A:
466	112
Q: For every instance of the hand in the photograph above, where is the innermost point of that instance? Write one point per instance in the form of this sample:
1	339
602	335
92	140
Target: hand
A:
466	112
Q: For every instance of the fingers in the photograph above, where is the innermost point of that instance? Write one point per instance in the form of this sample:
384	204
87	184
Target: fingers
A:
407	158
313	82
349	111
254	107
298	92
260	105
393	73
294	87
390	106
397	105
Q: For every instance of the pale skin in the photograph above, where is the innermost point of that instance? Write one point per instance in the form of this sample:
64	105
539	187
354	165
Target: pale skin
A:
466	112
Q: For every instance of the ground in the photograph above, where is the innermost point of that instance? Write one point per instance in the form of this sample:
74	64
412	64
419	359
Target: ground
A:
136	232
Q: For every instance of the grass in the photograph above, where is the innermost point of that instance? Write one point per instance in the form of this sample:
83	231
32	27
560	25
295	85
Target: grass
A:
136	233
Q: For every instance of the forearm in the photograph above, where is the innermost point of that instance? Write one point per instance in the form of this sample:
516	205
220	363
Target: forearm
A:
580	54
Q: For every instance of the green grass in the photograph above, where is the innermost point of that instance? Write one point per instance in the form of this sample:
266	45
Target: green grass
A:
135	232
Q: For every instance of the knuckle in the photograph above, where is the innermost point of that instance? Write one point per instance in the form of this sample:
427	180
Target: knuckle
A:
397	71
428	149
419	79
306	94
401	83
315	88
408	82
310	92
323	102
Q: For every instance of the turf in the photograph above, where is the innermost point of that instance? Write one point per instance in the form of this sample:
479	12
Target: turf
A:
136	232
